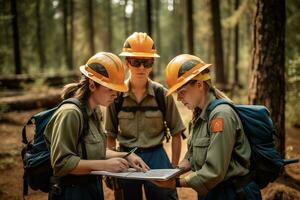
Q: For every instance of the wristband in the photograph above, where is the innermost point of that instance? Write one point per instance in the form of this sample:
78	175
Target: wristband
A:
177	182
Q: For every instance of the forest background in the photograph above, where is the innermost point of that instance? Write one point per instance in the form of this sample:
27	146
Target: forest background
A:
43	43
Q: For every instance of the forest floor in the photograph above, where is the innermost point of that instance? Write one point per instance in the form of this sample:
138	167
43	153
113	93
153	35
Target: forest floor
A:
11	170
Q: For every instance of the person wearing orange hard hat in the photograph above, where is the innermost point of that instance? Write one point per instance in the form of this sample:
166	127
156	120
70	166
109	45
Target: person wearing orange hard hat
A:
75	138
218	150
140	118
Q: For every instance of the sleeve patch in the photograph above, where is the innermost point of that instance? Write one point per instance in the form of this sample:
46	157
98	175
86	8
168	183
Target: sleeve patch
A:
217	125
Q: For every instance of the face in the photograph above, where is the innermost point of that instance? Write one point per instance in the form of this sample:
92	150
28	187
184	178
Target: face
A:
190	94
140	68
102	95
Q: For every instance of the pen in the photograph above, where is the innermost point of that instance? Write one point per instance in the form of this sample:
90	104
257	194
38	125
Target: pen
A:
130	152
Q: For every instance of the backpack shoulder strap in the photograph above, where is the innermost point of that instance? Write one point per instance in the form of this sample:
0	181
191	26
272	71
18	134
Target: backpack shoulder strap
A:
85	128
160	98
119	102
215	103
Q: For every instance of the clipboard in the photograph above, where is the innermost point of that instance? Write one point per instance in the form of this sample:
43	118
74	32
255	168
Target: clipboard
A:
151	175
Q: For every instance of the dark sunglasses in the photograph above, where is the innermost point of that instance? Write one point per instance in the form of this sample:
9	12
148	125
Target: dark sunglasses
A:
147	63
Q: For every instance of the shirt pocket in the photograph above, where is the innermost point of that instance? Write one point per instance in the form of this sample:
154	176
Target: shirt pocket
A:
200	146
153	123
127	124
95	145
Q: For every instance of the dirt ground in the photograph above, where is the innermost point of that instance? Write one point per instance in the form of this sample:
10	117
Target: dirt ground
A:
11	171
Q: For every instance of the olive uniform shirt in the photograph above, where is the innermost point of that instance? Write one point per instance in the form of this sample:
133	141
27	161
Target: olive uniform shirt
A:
62	134
142	129
217	148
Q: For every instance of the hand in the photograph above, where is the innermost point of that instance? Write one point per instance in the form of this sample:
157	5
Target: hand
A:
116	165
171	183
136	162
185	164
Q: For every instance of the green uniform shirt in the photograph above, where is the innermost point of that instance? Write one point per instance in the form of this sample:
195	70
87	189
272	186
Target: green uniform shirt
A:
216	156
62	134
142	129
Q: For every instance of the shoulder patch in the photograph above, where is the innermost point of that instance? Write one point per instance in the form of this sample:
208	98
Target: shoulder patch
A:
217	125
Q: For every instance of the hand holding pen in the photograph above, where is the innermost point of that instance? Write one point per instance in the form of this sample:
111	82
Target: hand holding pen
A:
135	161
130	152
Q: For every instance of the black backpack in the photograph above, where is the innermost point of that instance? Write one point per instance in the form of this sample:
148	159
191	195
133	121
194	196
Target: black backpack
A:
161	105
266	162
35	154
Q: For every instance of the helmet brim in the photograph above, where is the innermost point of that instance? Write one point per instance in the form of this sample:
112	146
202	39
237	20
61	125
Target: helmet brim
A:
139	54
187	79
117	87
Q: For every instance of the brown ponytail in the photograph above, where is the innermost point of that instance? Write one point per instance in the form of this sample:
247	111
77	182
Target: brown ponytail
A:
78	90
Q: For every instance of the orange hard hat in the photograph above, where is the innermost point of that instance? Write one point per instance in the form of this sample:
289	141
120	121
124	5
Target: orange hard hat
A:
139	45
106	69
182	69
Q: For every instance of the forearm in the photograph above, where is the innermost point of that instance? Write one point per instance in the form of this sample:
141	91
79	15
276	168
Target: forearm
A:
111	142
86	166
114	154
176	148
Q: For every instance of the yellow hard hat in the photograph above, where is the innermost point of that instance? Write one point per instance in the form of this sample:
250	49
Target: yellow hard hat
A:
106	69
139	45
182	69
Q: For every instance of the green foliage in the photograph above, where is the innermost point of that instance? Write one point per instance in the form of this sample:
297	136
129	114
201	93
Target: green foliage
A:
293	92
292	64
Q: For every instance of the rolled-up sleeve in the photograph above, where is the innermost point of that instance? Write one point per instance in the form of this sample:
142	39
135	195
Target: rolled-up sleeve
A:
63	130
218	156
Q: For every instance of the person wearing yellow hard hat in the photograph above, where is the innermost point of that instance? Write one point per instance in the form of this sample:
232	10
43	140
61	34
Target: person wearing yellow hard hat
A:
75	137
218	150
140	117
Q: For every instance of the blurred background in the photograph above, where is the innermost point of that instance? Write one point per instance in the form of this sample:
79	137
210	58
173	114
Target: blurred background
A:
55	37
253	45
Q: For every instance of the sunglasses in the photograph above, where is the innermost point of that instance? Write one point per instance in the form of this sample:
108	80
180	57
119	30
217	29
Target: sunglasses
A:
147	63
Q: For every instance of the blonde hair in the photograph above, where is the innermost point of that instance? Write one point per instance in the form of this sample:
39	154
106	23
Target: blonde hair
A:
208	86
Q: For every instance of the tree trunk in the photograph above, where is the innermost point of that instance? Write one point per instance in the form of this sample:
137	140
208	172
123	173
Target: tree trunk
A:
18	81
66	38
190	26
218	44
236	49
126	21
181	31
133	16
16	39
71	42
109	27
30	101
149	16
91	26
158	38
268	82
40	39
228	44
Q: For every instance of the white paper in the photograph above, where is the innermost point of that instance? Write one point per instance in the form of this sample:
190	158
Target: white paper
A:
152	174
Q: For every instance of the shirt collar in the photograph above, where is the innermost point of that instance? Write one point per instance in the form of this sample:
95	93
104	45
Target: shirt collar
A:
149	86
89	110
203	114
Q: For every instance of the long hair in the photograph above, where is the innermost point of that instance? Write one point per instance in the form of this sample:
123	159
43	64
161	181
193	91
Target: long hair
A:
79	90
208	87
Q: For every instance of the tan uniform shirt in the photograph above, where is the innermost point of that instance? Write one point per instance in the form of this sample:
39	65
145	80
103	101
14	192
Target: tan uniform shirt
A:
62	134
142	129
216	152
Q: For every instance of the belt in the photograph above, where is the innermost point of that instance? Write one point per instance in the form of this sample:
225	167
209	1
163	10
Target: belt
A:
140	149
74	180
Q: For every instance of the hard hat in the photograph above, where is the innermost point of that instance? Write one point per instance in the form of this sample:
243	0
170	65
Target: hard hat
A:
106	69
139	45
182	69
